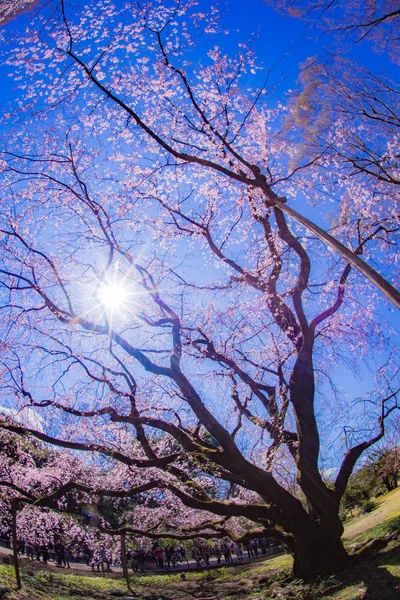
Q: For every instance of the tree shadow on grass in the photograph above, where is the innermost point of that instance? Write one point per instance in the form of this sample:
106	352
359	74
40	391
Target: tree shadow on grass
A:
371	576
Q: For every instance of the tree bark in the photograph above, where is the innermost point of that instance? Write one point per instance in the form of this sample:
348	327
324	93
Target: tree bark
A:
124	561
15	543
318	555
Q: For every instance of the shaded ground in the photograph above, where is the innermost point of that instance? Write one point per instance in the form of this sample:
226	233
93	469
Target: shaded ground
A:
374	577
238	583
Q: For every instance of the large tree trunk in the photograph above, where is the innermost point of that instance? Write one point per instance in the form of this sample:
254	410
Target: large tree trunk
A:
316	555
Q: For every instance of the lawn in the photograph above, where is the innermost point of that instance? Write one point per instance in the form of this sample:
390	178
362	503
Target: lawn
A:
376	577
380	521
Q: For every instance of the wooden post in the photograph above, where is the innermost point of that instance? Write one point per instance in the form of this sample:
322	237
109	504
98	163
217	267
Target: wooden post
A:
123	559
15	543
186	549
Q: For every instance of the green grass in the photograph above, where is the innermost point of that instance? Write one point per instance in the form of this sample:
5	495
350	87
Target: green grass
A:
381	573
387	509
380	530
43	584
376	577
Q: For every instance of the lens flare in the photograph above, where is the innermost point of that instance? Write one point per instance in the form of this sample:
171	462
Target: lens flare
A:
112	295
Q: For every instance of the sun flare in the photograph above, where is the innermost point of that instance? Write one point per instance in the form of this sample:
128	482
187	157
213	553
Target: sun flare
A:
113	295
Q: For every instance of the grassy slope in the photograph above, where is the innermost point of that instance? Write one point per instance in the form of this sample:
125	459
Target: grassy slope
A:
386	514
377	578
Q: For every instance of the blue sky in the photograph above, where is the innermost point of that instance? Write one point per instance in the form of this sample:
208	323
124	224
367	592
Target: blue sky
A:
289	41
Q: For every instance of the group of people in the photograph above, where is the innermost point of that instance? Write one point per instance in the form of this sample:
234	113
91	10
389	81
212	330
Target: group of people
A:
60	553
227	549
202	552
100	561
141	559
157	558
57	552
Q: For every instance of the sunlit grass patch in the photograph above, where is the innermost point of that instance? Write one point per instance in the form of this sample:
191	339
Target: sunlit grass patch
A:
388	508
380	530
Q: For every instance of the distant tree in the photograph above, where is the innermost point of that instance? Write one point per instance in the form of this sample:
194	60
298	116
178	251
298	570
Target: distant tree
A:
59	496
384	467
359	491
381	469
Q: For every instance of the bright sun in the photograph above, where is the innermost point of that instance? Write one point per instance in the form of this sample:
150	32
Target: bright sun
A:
112	295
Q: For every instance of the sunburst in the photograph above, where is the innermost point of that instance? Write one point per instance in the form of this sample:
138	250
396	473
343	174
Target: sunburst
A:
113	295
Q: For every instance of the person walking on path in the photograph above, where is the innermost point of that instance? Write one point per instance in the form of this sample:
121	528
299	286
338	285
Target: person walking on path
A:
60	550
29	550
66	557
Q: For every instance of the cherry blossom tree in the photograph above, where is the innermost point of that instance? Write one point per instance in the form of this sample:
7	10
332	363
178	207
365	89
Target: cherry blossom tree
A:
46	496
345	115
163	306
10	9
